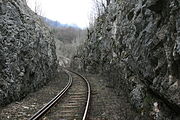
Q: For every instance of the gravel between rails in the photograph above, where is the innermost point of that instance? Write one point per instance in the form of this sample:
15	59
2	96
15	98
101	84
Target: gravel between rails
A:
71	105
24	109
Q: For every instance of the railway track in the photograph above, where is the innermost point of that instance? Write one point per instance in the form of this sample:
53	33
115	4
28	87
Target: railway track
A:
70	104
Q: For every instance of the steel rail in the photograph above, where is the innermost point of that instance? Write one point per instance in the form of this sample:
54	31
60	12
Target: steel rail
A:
88	96
44	109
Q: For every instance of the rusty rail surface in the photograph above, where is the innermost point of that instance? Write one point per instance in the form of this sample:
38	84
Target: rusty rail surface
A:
88	94
50	104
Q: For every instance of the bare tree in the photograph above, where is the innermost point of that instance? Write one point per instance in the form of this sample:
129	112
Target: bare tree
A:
38	8
99	7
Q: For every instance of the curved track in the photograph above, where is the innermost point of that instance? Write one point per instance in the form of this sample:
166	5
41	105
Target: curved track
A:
71	103
88	94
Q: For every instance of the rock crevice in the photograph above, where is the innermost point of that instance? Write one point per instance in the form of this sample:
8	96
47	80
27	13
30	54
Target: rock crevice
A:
137	43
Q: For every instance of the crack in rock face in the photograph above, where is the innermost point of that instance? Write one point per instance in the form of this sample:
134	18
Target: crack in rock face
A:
27	51
147	46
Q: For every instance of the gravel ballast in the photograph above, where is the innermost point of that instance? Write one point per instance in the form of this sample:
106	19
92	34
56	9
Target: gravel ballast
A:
22	110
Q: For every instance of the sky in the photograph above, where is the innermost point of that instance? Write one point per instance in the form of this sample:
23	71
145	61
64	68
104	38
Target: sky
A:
65	11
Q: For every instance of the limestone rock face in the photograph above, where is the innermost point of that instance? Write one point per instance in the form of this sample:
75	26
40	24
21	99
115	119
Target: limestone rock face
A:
137	43
27	51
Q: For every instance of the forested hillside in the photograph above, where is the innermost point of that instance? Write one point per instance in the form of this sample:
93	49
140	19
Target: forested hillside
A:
67	40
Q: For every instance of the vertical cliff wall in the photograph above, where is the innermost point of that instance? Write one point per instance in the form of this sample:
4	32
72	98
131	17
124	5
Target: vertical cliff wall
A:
136	43
27	51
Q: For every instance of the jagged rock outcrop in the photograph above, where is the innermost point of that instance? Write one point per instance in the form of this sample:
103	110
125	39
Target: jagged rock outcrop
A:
27	51
136	43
